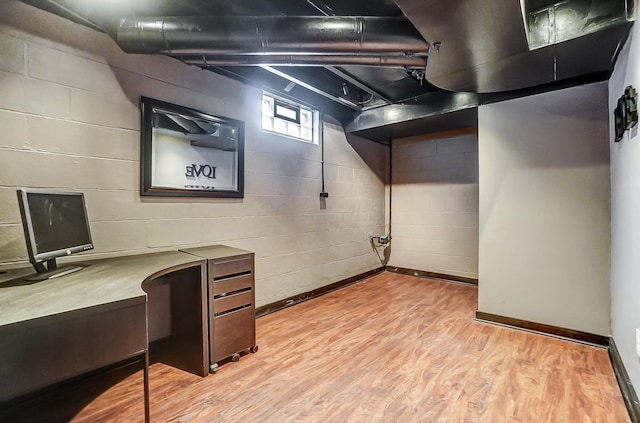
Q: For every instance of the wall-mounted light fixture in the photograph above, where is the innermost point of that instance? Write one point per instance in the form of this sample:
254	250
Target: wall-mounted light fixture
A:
626	114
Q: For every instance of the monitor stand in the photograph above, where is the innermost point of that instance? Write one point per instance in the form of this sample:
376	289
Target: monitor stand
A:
51	271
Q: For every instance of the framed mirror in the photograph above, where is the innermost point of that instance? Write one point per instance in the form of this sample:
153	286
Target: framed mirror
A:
188	153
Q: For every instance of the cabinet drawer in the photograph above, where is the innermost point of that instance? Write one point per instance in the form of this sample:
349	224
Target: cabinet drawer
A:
233	333
231	267
229	302
232	284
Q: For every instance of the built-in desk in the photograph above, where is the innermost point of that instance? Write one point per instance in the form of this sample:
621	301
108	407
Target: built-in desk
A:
56	329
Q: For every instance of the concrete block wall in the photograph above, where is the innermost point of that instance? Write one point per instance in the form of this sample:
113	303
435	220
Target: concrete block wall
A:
70	121
434	201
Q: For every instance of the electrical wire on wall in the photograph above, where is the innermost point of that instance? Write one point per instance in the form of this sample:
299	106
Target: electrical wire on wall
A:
323	193
383	242
388	229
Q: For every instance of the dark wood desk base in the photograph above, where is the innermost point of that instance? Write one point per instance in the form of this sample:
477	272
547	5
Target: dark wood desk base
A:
56	330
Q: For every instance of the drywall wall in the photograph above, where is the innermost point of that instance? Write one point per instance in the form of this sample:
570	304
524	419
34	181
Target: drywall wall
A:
434	217
544	209
70	120
625	209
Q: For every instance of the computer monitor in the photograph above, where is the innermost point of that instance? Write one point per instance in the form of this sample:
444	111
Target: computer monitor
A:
55	225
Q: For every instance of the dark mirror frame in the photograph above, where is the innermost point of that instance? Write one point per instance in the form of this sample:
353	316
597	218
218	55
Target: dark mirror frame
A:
147	106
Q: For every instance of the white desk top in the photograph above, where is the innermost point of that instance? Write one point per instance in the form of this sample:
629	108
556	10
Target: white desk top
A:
100	283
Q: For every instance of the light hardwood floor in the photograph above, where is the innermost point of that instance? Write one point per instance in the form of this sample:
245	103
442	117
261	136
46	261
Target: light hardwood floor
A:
391	348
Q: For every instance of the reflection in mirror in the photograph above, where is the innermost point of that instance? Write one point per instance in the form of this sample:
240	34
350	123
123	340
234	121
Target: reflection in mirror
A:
190	153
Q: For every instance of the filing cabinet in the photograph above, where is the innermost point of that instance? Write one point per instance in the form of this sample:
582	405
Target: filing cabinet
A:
231	302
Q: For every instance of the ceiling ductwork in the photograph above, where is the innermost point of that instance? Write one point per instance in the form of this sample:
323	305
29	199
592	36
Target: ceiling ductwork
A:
365	62
412	62
373	41
494	46
440	111
549	22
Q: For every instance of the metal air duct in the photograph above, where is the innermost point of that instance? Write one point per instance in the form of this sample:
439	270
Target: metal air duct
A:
258	35
399	61
495	46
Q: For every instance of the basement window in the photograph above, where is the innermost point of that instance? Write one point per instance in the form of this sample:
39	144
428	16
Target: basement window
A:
290	119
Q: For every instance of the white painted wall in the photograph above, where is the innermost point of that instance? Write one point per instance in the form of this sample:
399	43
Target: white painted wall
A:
625	212
434	217
545	210
69	120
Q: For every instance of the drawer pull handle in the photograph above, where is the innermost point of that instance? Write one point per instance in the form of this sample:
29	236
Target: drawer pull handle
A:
233	275
227	294
232	310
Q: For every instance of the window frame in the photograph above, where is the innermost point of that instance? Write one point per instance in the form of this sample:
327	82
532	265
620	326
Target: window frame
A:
279	103
300	109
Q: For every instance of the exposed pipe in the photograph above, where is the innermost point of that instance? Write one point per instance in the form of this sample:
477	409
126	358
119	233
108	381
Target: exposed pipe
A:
390	184
413	62
289	35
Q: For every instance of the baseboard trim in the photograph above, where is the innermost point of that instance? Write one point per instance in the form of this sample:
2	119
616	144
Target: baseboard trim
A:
432	275
570	334
626	388
306	296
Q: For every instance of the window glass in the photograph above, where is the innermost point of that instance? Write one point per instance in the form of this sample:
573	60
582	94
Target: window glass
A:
287	112
289	119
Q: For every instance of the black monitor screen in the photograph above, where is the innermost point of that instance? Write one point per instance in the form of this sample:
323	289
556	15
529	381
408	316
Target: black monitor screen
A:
58	222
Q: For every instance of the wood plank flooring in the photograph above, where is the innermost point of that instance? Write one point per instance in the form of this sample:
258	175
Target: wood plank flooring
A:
392	348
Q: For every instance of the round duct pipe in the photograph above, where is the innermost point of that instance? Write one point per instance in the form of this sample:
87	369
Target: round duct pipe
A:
412	62
305	35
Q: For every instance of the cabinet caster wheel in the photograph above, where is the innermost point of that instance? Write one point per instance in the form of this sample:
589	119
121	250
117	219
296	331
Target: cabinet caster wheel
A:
213	368
235	357
254	349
